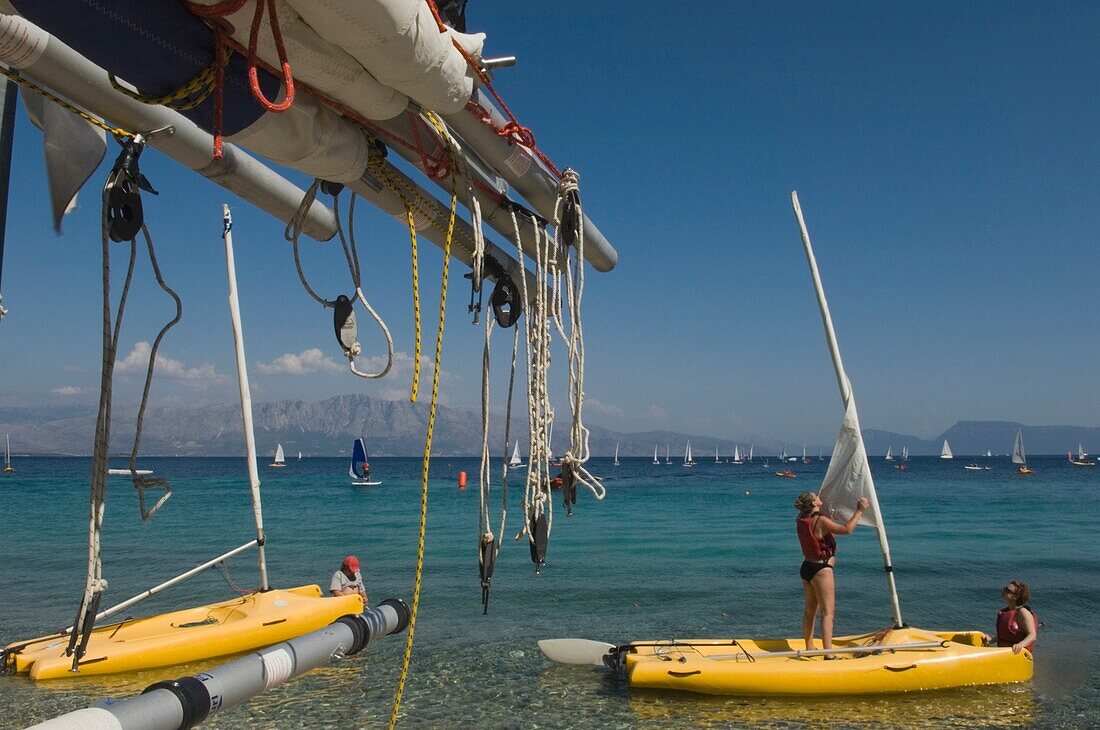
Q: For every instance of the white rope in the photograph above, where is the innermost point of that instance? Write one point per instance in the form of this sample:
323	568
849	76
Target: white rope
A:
536	495
578	453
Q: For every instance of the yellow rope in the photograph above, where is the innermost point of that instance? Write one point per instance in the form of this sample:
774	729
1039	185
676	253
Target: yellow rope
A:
416	302
114	131
427	459
188	96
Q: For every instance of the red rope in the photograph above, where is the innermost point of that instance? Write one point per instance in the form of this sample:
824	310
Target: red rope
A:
253	41
220	10
513	129
219	89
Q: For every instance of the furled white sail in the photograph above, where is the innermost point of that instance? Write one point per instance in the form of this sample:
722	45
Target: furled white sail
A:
848	478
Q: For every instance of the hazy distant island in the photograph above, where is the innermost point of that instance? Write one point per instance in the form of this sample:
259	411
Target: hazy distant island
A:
396	428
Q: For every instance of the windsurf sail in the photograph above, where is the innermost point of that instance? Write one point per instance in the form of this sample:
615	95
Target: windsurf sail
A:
358	459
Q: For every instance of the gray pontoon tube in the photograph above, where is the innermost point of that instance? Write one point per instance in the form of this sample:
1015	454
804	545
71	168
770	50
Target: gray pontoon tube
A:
188	701
49	63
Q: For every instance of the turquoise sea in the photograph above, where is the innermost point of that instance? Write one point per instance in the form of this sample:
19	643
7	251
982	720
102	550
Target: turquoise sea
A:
671	552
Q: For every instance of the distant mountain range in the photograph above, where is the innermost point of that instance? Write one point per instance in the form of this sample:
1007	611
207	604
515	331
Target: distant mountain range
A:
396	428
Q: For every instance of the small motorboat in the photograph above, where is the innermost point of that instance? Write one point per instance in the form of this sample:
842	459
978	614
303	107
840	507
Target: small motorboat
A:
786	474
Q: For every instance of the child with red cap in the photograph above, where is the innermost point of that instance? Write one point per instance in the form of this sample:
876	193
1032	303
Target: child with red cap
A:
348	580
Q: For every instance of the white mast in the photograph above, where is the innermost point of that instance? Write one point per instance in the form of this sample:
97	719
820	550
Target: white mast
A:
847	397
246	395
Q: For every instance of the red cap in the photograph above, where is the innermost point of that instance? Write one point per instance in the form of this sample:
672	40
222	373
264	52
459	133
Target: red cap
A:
352	562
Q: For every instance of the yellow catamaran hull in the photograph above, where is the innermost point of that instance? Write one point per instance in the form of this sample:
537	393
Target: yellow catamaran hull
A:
958	660
193	634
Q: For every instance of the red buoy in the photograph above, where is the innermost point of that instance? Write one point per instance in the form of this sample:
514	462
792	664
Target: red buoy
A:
462	480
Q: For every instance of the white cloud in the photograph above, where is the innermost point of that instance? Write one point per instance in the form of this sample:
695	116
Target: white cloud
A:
66	390
607	409
138	360
308	361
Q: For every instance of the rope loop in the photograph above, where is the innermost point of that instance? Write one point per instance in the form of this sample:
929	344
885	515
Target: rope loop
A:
253	75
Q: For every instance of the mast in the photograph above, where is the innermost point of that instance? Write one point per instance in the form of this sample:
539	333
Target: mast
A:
246	395
846	397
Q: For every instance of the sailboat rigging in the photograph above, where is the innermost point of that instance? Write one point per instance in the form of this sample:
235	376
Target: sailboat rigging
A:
848	477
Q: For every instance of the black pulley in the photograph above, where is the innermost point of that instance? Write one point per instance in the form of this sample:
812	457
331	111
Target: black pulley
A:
123	192
506	302
331	188
570	226
343	321
486	561
568	486
540	532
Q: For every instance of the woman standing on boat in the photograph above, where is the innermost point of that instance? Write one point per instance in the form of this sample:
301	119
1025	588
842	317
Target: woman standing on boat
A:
816	536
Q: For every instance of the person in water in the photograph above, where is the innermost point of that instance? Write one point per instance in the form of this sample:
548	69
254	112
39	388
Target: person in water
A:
348	580
1016	623
816	536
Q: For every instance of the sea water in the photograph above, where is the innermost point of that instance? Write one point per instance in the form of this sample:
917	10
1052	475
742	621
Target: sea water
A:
708	551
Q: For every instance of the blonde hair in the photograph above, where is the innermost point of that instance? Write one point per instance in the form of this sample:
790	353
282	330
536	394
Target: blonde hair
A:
804	503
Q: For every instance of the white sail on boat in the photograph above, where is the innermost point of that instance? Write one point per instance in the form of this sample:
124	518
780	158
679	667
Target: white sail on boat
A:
1018	456
8	468
751	447
655	459
945	452
280	457
988	453
516	462
688	461
889	453
668	459
616	453
716	459
737	455
1082	457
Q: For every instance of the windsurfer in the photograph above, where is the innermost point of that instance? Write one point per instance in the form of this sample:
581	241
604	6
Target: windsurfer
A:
816	535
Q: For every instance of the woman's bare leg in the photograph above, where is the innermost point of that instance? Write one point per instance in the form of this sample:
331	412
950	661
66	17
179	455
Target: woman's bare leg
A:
809	614
825	592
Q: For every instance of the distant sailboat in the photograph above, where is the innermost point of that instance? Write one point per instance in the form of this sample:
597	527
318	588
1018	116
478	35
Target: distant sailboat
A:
1018	457
1082	457
737	455
716	459
8	468
280	458
655	459
616	453
988	453
299	456
805	459
889	453
516	462
751	446
905	453
667	459
688	461
945	452
359	468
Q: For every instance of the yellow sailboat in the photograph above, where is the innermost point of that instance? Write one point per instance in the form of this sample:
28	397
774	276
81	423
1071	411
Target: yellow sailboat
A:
193	634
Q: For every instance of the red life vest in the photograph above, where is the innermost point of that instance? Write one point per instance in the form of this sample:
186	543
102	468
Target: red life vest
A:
814	547
1010	631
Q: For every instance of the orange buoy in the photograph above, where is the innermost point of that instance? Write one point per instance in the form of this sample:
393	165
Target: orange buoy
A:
462	480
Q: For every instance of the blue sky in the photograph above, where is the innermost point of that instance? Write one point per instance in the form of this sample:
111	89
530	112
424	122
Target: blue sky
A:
946	156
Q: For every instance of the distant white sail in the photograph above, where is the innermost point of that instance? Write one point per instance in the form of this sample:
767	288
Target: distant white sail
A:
889	453
945	453
655	459
515	461
616	453
736	454
280	458
1018	450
